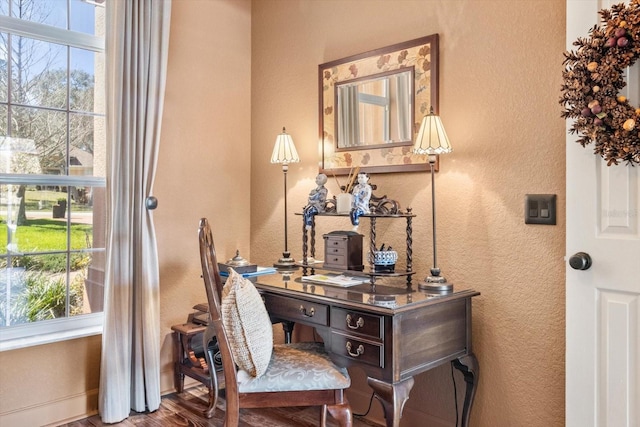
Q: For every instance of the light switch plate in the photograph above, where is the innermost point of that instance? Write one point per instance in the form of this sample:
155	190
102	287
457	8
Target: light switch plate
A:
540	209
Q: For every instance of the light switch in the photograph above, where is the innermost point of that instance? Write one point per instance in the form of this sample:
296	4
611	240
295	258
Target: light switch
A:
533	208
540	209
544	210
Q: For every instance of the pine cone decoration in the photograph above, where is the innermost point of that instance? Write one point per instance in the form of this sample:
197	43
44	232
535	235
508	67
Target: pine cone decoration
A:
592	79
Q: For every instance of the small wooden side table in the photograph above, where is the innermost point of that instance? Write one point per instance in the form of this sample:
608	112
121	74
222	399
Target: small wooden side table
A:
184	363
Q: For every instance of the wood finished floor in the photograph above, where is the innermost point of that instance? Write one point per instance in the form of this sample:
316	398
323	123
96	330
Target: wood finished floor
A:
174	411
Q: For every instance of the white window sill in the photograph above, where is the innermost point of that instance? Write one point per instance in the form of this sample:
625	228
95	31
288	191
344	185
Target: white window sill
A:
47	332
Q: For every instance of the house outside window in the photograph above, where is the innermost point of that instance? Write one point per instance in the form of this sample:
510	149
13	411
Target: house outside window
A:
52	170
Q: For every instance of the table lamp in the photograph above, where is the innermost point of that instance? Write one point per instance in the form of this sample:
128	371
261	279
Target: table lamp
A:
284	152
432	140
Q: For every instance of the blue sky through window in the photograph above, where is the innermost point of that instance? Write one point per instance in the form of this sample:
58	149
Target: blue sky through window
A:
54	12
79	17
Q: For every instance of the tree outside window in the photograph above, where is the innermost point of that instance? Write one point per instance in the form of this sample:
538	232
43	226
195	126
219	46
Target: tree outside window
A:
52	160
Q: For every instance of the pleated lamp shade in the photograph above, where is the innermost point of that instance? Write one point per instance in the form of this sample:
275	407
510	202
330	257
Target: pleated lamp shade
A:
284	151
432	139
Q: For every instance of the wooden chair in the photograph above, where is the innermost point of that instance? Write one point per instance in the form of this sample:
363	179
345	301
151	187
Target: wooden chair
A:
286	358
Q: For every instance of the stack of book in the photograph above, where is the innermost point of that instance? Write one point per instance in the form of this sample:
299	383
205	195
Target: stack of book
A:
258	272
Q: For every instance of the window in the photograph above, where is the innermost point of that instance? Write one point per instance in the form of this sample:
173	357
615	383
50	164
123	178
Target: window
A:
52	170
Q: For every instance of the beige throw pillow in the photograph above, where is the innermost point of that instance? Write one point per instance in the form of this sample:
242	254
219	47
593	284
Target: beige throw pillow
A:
247	323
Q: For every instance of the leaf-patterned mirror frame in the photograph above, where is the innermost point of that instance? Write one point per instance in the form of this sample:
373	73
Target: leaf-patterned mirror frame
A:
421	55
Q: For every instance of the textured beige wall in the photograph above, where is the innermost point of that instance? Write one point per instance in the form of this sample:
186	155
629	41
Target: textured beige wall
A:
499	80
39	385
204	164
203	170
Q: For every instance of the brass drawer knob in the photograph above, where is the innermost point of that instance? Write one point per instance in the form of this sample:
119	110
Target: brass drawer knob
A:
359	350
359	322
307	313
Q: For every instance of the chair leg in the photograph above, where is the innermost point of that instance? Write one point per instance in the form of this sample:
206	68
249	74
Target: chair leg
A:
342	414
231	419
213	400
207	337
323	416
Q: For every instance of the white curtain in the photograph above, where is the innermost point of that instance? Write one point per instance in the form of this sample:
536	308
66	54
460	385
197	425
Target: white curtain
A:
137	39
403	89
348	113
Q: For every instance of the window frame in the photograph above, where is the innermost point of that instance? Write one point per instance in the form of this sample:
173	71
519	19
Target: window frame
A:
60	329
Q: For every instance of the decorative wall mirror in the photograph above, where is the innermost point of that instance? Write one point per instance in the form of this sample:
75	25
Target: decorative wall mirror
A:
372	104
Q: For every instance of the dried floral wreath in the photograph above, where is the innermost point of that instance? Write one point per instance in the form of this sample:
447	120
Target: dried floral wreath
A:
593	78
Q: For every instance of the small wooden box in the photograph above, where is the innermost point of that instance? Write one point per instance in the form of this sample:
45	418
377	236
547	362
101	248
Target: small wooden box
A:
343	250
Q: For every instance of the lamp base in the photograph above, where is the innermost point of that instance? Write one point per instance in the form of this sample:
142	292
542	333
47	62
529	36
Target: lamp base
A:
436	283
441	288
285	262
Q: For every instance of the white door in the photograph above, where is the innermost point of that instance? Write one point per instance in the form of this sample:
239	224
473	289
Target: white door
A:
602	302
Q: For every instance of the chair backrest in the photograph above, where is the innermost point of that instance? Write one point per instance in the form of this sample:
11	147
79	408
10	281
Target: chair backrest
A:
213	287
208	259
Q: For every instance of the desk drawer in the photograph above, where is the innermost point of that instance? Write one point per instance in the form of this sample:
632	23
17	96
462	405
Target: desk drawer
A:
296	310
358	350
355	322
335	250
333	260
340	243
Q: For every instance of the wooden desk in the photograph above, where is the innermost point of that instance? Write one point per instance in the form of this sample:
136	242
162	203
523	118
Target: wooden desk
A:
393	333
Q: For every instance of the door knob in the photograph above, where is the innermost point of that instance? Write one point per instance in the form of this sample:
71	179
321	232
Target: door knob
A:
580	261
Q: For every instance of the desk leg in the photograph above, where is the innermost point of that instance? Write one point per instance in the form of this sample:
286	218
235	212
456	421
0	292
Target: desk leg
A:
392	397
469	367
287	327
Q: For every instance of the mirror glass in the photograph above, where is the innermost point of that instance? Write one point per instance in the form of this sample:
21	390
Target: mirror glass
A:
375	111
372	104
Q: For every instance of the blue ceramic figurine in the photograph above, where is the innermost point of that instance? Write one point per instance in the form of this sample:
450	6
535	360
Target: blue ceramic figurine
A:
317	200
361	196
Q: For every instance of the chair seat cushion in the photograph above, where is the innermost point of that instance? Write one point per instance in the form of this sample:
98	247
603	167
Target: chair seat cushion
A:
295	367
